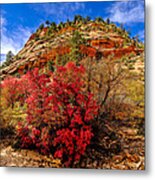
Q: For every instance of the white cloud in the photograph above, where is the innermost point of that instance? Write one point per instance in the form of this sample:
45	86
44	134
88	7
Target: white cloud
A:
61	8
61	11
3	21
127	12
12	40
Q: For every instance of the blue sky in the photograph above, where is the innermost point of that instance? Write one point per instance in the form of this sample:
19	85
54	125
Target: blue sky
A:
19	21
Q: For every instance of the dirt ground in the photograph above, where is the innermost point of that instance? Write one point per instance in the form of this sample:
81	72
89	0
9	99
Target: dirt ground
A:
131	156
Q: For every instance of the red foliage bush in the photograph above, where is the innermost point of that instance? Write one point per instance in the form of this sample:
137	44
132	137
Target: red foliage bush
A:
59	113
35	133
11	91
71	143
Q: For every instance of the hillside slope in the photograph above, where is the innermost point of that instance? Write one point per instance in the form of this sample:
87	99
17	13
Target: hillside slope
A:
102	39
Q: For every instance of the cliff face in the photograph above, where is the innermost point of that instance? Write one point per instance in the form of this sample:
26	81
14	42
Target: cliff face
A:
48	43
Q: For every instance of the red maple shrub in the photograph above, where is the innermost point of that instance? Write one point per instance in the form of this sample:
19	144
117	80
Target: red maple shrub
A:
71	143
10	90
35	133
79	109
59	113
14	90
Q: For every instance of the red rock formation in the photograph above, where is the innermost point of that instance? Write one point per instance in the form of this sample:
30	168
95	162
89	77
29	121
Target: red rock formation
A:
43	32
67	29
89	51
103	43
118	53
32	37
